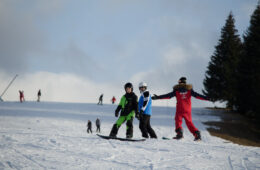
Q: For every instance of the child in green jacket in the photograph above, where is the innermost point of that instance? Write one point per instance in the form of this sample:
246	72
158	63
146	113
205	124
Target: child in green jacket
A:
129	107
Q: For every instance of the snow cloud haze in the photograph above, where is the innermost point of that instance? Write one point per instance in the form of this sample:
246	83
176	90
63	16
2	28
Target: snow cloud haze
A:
76	50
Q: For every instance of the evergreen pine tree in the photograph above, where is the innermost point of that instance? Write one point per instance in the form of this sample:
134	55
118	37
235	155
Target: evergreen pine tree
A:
221	75
249	68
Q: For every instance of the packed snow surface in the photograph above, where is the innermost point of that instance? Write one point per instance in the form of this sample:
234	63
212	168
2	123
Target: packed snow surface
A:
53	136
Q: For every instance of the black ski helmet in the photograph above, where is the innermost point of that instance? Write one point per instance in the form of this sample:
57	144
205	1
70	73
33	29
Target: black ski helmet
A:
182	80
129	85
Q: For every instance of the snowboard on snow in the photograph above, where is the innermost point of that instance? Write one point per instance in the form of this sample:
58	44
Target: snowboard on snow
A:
166	138
122	139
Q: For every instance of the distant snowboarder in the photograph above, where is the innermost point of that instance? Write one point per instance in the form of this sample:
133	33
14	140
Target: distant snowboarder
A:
39	95
183	93
100	101
98	125
113	99
128	106
21	95
89	125
145	110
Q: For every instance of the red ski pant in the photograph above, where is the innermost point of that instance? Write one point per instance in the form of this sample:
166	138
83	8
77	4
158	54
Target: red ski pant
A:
188	119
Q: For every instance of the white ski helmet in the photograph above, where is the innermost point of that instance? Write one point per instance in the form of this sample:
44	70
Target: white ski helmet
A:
142	84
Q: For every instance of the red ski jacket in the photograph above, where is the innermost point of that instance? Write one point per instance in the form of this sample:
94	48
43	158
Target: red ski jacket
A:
183	93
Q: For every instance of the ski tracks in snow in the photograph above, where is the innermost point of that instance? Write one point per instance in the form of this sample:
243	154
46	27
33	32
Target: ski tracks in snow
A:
31	142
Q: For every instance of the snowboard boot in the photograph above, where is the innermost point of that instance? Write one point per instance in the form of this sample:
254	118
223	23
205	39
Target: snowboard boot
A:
129	136
145	135
197	136
114	131
179	134
151	132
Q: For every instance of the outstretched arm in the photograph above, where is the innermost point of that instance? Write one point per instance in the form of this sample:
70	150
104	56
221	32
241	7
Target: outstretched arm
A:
198	96
164	96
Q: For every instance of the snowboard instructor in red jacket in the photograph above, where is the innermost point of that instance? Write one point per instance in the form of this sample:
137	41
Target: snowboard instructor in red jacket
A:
183	93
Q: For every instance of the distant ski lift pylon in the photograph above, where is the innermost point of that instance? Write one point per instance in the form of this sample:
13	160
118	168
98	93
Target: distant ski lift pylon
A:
7	87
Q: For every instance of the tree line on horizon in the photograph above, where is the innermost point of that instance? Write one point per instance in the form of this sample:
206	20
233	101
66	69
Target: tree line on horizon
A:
233	72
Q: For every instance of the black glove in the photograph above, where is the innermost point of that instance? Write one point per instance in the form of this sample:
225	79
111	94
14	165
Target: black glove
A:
141	114
155	97
116	113
137	115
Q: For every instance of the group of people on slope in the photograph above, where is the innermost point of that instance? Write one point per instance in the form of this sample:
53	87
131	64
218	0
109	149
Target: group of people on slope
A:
22	99
130	107
89	126
100	100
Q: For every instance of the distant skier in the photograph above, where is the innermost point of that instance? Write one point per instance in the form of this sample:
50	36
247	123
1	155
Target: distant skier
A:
113	99
128	106
39	95
145	110
100	101
89	125
21	94
183	93
98	125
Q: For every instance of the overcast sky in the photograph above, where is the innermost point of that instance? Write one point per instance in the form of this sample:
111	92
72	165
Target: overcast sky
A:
74	50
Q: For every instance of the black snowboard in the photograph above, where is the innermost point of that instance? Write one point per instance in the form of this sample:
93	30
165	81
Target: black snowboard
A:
122	139
166	138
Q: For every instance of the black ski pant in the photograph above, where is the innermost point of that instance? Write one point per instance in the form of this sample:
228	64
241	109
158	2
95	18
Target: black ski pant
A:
98	128
89	130
100	102
145	127
129	125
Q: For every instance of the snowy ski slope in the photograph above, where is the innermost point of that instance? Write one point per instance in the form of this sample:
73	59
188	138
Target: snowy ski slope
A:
53	136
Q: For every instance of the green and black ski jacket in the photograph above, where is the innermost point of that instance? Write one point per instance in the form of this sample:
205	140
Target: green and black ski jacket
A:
128	104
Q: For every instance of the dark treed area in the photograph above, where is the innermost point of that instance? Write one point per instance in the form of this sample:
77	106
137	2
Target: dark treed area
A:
233	73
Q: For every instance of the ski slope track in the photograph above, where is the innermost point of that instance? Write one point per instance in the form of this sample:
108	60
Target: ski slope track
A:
53	136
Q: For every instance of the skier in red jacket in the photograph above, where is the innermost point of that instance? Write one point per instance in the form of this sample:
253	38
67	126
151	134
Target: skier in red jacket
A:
21	94
113	100
183	93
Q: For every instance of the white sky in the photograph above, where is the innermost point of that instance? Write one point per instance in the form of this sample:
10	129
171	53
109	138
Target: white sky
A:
75	50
